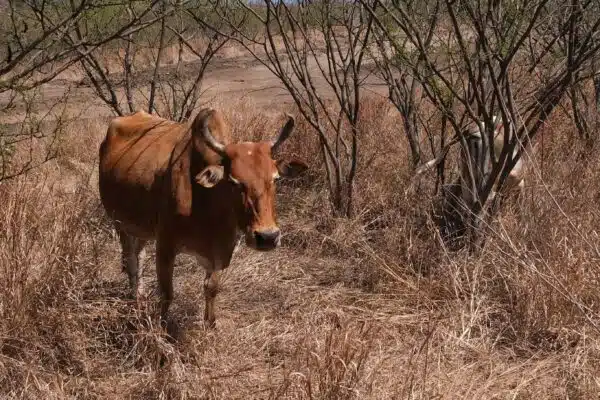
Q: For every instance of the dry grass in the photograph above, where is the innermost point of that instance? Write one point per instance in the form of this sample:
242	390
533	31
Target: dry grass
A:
368	308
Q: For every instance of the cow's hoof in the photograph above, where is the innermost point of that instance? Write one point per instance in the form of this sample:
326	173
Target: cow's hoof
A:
136	295
210	324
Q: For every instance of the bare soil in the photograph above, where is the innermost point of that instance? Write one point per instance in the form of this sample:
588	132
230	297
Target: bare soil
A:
238	77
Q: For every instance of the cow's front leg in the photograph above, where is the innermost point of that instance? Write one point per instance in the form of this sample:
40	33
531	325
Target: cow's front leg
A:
211	288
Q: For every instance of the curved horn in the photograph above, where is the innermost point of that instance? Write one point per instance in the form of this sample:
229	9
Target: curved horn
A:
283	134
201	123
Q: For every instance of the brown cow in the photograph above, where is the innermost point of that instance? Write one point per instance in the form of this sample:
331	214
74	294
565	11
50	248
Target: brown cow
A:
189	188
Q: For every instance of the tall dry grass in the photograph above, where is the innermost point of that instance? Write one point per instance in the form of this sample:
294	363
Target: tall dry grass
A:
372	307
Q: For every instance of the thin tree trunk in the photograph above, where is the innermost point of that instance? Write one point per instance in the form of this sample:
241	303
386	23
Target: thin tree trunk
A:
161	45
412	135
127	64
578	118
597	91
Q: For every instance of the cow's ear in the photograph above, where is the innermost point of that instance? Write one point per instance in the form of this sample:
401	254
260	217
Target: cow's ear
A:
291	168
210	176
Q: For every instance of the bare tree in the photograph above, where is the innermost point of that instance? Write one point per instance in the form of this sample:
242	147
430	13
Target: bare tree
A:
395	64
317	50
583	113
33	51
32	141
175	84
597	91
34	32
499	60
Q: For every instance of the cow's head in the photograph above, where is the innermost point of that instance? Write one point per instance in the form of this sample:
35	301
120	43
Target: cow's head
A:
250	167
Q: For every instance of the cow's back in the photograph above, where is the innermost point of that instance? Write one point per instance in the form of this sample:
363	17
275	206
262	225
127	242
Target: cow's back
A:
134	158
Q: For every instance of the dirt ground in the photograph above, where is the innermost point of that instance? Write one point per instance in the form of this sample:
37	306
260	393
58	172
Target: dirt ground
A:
236	77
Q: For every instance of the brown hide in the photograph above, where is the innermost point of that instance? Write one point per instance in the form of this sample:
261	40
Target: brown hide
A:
145	167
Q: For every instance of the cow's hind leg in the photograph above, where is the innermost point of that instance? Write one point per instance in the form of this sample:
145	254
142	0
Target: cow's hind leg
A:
131	249
211	288
165	258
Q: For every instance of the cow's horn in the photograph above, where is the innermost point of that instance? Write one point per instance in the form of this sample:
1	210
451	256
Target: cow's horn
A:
209	139
283	134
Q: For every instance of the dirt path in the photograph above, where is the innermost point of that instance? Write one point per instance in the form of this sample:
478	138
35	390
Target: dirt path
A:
231	78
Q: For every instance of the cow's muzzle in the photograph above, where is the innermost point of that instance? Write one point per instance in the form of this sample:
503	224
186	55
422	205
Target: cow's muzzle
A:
265	239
